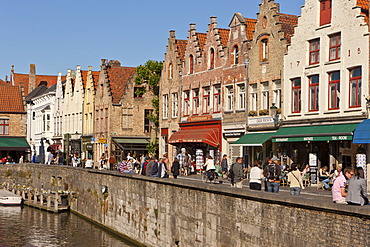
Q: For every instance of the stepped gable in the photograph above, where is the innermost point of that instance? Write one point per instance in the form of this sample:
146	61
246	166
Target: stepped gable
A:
251	26
11	99
201	37
224	36
119	77
288	23
364	4
181	47
84	74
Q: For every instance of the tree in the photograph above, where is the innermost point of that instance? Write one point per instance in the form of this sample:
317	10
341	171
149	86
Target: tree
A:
148	76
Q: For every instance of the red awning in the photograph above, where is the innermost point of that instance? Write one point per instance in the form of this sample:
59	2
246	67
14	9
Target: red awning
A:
209	136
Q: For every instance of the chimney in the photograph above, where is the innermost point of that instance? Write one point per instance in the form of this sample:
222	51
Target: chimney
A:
89	68
192	30
32	78
172	34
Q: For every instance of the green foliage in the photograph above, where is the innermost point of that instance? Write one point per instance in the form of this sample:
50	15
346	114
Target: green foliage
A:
152	147
149	73
139	91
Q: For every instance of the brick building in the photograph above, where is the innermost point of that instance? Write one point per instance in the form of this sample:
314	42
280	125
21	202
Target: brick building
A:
12	123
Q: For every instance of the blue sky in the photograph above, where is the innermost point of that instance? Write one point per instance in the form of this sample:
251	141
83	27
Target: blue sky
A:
58	35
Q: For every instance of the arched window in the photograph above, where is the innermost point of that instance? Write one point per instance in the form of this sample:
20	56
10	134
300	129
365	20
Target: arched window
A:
264	50
170	71
212	59
236	55
191	64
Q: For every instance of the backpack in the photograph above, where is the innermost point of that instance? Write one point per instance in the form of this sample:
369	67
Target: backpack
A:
271	172
231	173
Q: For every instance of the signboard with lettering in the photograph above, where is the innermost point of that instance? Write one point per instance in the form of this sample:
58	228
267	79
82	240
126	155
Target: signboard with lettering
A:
233	134
268	120
313	138
199	118
102	140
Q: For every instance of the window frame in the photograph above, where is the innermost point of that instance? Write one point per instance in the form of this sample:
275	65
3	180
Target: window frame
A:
358	81
236	55
211	58
175	105
316	87
170	71
206	103
241	97
4	126
314	51
296	100
264	49
191	64
217	99
336	47
165	106
195	101
187	108
147	125
229	98
336	83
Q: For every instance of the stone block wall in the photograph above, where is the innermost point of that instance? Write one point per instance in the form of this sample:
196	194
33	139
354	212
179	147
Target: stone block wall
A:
165	212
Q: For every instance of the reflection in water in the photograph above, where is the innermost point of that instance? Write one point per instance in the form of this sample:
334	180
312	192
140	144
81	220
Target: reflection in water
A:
25	226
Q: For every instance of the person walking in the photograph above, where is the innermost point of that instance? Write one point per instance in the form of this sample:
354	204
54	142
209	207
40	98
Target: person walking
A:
272	173
224	166
255	177
357	189
175	169
237	170
112	161
210	166
295	179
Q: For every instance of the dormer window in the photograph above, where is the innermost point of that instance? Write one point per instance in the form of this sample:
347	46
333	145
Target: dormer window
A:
211	58
325	12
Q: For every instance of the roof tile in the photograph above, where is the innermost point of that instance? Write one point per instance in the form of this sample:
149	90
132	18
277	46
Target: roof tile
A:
224	35
251	25
11	99
181	46
288	22
201	40
119	77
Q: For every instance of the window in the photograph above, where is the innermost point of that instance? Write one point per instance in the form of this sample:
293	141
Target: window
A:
217	99
206	99
191	64
315	51
147	124
212	59
236	55
334	90
4	126
314	92
170	71
229	98
195	101
241	96
126	118
325	12
355	81
277	93
334	50
296	95
186	103
165	106
175	105
264	50
253	97
265	96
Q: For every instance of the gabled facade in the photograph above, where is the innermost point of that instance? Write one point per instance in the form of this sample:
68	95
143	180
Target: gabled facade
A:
170	93
326	73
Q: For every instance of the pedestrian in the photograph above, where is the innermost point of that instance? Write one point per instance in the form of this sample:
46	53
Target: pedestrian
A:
49	158
357	189
89	163
102	162
272	173
150	166
60	159
224	166
210	167
143	166
162	169
112	161
21	160
237	170
340	184
175	169
295	179
76	161
255	177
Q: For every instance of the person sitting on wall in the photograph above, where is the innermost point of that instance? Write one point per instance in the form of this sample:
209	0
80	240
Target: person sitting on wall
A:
340	184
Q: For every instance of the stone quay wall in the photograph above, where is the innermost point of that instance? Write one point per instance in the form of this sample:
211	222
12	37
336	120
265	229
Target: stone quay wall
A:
169	212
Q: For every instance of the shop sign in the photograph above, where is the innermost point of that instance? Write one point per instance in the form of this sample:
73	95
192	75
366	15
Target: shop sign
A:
102	140
313	139
268	120
233	134
199	118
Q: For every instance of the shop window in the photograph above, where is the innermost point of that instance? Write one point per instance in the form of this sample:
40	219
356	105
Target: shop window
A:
334	90
4	126
325	12
315	51
191	64
296	95
314	92
165	106
217	99
335	47
196	101
355	82
211	58
186	103
241	97
175	105
147	124
206	99
229	98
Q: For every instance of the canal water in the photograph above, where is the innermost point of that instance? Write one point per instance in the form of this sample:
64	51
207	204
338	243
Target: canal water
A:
30	227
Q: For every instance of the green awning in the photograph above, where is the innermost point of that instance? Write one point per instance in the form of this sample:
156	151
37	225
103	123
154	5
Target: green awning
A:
332	132
10	143
132	140
254	139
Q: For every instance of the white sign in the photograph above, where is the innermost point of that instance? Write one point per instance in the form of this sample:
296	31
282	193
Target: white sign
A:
261	120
